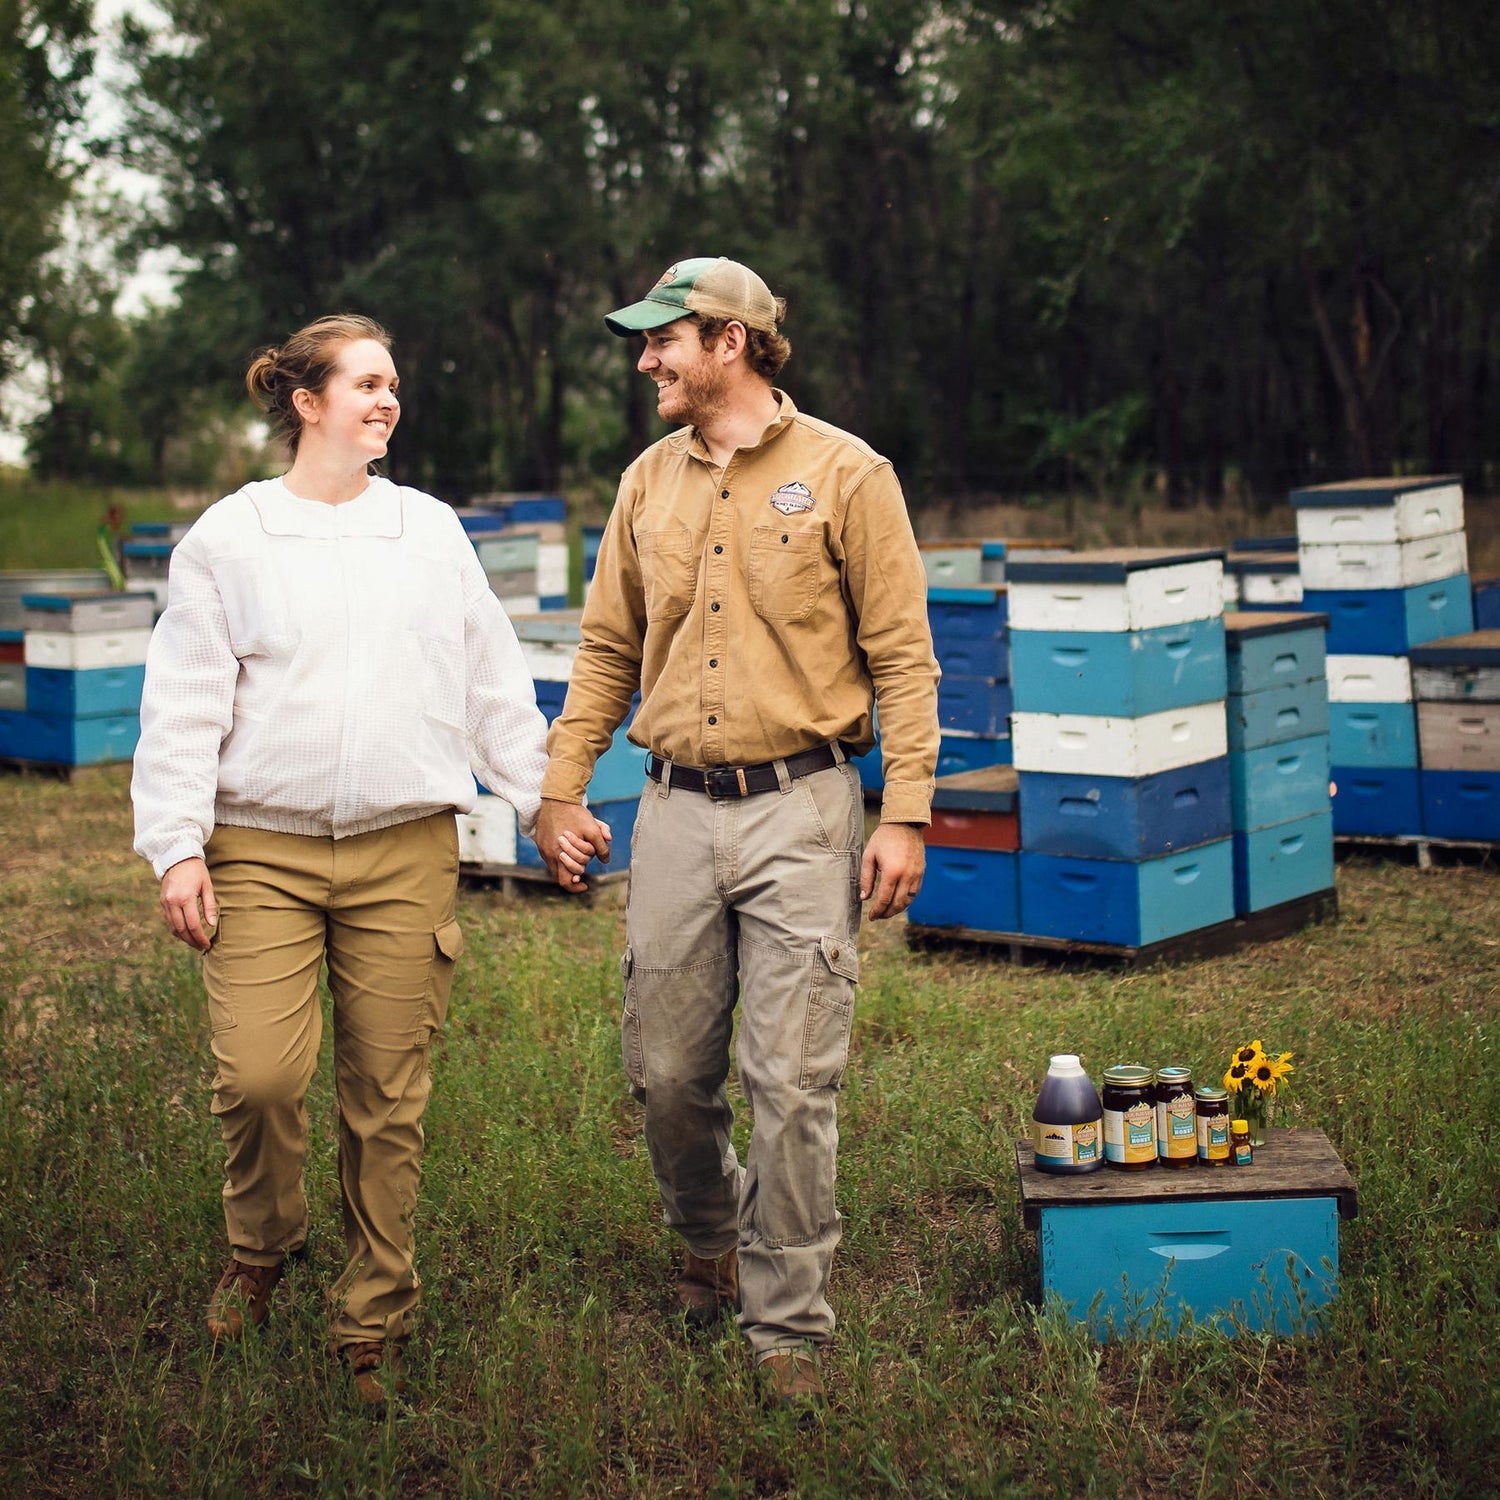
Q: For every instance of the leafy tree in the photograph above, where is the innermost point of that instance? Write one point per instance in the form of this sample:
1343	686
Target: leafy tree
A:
43	64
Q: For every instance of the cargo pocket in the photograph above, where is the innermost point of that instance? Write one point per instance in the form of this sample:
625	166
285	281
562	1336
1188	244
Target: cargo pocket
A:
447	944
632	1048
830	1013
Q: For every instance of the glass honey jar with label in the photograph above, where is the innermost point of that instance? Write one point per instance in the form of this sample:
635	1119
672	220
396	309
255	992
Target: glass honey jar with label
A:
1129	1117
1176	1118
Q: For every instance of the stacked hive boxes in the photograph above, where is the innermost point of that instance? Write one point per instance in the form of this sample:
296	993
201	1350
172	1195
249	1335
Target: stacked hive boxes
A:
1386	561
968	625
14	588
1119	674
1456	685
146	556
1278	758
84	661
489	836
971	878
522	545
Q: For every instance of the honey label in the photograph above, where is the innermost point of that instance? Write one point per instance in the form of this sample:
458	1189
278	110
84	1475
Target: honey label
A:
1078	1144
1130	1134
1213	1137
1176	1127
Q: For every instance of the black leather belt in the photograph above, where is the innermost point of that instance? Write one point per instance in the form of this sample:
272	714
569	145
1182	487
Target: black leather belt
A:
724	783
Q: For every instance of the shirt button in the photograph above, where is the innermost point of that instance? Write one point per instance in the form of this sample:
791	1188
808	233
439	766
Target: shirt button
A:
714	607
723	494
713	661
784	539
718	549
714	719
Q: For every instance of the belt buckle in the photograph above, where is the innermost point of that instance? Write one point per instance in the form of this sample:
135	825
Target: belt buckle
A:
724	783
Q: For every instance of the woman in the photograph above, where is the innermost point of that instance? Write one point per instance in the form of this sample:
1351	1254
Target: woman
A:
330	662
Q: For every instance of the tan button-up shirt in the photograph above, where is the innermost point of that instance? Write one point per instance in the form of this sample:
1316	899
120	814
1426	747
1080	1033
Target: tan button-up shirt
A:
761	611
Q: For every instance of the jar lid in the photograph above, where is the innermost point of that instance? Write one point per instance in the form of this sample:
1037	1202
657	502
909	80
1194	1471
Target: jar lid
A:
1131	1075
1174	1075
1211	1093
1240	1127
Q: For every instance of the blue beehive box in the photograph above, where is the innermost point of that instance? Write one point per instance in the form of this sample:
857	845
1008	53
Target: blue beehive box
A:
1122	817
1289	712
1125	674
88	694
1487	604
1460	804
1278	783
1269	650
1389	622
1283	862
973	656
1373	734
1256	1249
975	705
973	888
524	510
53	740
620	773
1126	903
1378	801
971	752
550	697
976	611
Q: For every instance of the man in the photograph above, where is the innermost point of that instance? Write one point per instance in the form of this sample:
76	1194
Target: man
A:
759	582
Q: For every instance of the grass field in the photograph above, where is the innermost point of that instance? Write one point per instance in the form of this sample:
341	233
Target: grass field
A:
544	1364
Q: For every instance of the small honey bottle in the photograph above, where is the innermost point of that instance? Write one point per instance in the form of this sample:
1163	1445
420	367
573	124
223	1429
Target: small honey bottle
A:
1241	1152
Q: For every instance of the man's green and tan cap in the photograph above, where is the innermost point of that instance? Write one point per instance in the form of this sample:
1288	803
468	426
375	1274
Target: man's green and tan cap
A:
711	286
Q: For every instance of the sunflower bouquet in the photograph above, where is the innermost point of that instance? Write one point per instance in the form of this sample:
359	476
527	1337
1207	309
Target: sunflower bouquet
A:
1255	1079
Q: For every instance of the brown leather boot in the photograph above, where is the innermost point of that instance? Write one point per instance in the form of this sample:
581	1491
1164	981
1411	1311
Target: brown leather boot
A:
789	1378
242	1298
708	1289
376	1368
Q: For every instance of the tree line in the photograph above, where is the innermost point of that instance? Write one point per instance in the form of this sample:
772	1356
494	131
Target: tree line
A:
1073	244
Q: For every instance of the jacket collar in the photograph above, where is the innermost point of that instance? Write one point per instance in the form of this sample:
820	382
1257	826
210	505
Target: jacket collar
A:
375	513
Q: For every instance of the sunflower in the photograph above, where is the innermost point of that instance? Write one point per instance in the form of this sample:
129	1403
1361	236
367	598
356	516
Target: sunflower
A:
1248	1055
1269	1071
1237	1077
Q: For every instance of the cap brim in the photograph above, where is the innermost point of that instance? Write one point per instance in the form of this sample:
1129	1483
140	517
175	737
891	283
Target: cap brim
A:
641	317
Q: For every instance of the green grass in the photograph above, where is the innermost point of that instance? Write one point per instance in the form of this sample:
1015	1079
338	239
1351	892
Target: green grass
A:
54	524
544	1365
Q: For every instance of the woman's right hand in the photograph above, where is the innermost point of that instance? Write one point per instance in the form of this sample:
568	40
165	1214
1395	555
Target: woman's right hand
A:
187	902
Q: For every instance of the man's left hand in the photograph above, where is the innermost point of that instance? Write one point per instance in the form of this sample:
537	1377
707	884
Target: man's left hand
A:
891	874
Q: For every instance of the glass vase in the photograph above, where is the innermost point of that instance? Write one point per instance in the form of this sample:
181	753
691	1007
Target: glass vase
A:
1255	1109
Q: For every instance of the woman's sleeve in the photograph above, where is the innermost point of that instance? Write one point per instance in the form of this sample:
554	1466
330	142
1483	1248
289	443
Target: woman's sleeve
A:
186	710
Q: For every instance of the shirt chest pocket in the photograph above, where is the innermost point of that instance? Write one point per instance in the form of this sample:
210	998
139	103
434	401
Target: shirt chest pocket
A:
786	572
669	573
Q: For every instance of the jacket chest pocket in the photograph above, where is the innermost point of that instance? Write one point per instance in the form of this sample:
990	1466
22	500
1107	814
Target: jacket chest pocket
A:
669	573
786	569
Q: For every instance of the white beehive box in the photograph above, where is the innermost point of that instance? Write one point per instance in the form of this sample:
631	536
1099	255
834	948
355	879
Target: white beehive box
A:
489	834
1383	565
1369	679
1117	589
1379	510
1098	745
80	653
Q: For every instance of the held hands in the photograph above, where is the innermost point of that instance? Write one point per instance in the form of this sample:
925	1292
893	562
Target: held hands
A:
186	888
568	836
891	874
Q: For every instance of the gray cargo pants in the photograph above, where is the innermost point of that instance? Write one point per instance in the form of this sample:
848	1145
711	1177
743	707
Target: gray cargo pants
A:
755	900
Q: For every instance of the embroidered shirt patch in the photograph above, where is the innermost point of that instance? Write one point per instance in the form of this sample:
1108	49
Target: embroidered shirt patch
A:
793	497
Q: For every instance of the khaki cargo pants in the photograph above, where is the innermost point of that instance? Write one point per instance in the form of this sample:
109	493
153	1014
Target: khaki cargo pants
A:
381	908
755	901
